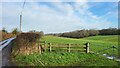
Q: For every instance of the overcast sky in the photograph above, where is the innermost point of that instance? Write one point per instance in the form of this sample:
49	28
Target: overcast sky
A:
54	17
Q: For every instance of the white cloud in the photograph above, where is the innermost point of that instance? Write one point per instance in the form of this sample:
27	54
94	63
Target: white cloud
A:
61	0
40	17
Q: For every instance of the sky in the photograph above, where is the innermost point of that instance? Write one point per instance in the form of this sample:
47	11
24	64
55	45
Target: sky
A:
56	17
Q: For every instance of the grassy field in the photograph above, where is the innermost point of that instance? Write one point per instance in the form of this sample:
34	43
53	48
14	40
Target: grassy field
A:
97	43
63	59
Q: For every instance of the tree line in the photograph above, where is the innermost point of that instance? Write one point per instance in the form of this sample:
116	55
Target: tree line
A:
77	33
109	31
86	33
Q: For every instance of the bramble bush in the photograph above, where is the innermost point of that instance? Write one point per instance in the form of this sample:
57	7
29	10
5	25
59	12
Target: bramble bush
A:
25	43
5	35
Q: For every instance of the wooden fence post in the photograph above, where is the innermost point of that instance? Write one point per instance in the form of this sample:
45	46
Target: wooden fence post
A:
50	48
45	45
69	47
87	47
39	47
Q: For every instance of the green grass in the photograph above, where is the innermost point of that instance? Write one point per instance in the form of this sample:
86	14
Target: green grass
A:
97	43
101	39
109	38
64	59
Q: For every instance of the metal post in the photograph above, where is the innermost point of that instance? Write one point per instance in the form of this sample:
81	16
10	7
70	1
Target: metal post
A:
20	23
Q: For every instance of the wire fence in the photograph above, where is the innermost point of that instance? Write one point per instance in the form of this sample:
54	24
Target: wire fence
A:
108	52
112	49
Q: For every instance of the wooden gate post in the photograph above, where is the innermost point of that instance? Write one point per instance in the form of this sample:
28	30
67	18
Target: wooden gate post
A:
87	47
50	49
69	47
39	47
45	45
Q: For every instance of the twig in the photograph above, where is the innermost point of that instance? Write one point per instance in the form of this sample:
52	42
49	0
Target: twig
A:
39	61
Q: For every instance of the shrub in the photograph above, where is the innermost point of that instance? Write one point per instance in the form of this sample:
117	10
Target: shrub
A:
31	37
25	43
5	35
